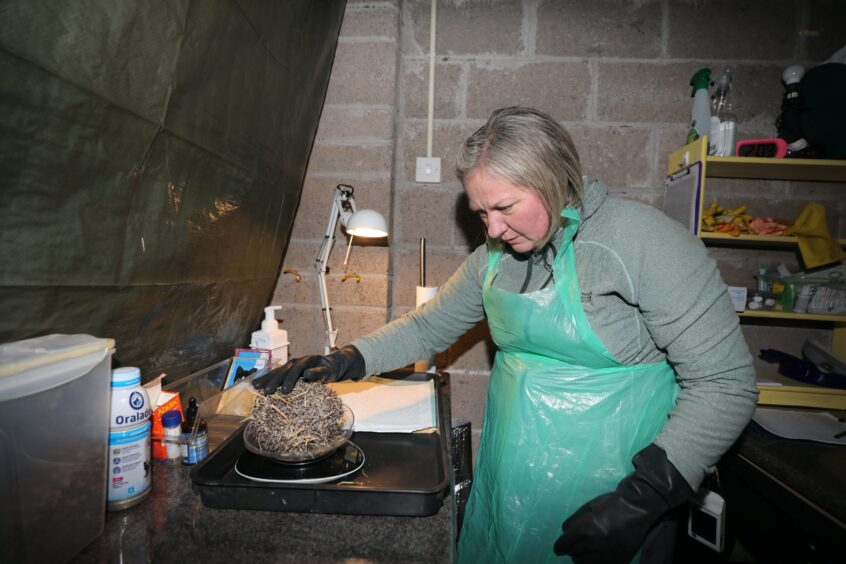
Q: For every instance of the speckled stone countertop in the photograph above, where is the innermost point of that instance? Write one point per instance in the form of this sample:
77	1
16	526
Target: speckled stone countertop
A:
173	525
785	498
816	470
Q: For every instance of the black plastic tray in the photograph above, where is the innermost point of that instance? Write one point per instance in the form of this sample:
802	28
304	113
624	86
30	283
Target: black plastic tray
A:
404	474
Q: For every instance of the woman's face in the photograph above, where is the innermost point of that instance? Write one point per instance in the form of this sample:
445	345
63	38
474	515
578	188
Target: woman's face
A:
513	214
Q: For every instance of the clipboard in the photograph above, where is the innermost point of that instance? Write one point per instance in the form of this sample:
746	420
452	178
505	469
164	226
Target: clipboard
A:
683	197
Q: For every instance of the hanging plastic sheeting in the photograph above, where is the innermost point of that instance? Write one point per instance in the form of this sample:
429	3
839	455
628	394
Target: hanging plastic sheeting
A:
152	156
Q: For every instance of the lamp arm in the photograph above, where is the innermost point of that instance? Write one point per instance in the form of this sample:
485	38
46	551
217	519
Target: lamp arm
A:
331	332
343	195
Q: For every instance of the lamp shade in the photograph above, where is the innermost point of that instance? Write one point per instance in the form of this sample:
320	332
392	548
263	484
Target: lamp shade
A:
367	223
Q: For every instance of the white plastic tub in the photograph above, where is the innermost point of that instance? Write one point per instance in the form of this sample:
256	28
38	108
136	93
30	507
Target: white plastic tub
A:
54	426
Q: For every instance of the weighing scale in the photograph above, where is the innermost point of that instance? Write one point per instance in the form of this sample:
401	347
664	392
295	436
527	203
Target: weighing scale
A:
402	474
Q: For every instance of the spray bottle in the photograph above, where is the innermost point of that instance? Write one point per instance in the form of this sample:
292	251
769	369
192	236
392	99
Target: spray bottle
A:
700	117
723	120
271	337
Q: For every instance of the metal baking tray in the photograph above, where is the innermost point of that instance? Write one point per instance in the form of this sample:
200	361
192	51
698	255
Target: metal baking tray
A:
404	474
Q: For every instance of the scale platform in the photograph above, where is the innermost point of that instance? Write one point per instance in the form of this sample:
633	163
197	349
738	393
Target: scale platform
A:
400	474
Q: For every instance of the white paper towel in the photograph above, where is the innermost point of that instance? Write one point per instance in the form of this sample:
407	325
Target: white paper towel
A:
424	294
385	405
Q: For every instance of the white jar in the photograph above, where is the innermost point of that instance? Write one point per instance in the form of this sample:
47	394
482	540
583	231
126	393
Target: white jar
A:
130	471
172	425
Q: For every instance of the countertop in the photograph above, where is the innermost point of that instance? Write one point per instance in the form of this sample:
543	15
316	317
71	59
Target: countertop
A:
815	470
786	498
173	525
804	480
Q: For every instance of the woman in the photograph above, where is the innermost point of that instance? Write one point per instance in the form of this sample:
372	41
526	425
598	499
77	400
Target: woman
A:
621	375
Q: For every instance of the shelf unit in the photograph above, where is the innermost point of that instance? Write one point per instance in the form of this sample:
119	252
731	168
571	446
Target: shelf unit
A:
752	240
782	391
795	316
813	170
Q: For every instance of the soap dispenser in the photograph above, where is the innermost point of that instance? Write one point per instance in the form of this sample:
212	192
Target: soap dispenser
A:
271	337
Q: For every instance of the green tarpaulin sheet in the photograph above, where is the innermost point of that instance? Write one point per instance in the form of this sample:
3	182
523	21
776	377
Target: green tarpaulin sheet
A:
152	156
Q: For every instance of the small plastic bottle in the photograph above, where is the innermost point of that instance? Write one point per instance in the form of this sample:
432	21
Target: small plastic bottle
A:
763	285
723	119
172	424
788	296
803	298
197	449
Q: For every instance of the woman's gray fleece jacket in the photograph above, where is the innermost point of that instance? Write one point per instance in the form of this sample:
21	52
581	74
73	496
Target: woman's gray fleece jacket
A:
650	292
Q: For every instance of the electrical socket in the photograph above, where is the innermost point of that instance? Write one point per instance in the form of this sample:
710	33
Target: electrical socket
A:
428	170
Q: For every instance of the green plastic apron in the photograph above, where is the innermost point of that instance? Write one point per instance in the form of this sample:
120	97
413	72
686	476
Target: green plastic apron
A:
563	417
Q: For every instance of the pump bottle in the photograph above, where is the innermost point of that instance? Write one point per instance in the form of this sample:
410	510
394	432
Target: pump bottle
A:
271	337
700	116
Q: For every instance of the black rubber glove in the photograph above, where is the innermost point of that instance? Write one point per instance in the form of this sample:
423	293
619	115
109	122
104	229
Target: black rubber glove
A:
343	364
612	527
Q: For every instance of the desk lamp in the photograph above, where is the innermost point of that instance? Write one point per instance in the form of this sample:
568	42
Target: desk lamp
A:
358	223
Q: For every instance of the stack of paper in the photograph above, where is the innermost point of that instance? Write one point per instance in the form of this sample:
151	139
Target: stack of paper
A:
385	405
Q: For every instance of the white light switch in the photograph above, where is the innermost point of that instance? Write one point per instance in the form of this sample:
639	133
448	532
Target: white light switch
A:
428	170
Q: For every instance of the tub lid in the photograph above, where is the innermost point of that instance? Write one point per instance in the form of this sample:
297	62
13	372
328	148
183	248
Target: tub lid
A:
33	365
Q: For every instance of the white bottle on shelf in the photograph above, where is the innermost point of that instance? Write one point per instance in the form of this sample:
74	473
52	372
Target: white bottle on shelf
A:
723	120
803	298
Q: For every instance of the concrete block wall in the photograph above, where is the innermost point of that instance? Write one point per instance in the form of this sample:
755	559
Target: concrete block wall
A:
354	145
614	72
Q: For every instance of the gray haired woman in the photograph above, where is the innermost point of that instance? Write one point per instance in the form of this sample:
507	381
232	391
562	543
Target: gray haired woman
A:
621	375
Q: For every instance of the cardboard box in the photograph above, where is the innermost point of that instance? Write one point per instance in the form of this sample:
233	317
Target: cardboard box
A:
165	402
